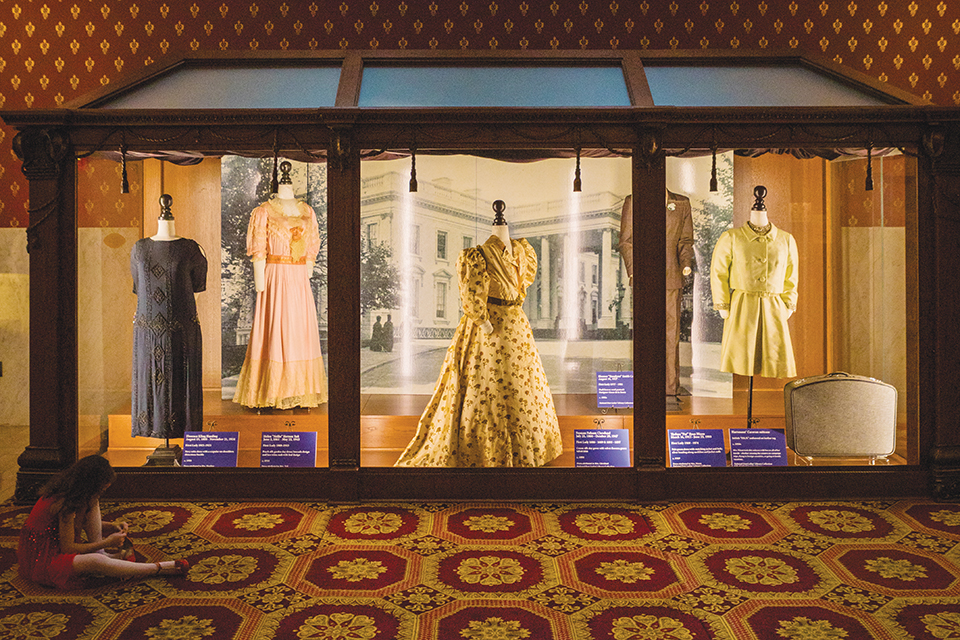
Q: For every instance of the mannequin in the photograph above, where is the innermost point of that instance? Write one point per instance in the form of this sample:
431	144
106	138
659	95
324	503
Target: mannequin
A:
491	406
500	227
283	367
166	230
286	199
758	218
753	279
166	392
679	260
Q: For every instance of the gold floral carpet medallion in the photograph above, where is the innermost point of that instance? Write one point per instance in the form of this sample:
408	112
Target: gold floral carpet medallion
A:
686	571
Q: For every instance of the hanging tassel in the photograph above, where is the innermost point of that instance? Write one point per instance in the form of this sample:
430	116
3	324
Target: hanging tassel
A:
124	180
713	169
577	184
413	171
869	185
275	181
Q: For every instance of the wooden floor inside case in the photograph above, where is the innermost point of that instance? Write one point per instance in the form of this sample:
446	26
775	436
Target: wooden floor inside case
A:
388	423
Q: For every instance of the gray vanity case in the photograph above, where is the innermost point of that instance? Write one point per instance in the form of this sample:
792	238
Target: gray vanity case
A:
841	415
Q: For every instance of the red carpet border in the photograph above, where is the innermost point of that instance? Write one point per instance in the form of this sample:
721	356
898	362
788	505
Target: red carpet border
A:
689	571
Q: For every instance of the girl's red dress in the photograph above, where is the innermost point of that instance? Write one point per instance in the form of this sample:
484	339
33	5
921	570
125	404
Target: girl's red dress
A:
39	554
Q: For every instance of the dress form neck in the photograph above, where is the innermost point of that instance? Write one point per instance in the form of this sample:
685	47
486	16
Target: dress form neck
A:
758	218
287	200
165	231
502	231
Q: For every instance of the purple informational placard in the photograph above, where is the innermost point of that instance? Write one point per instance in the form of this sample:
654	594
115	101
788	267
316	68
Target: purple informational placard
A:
614	389
210	448
696	448
758	447
601	447
288	449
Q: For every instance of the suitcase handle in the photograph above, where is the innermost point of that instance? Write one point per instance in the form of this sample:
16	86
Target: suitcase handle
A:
839	373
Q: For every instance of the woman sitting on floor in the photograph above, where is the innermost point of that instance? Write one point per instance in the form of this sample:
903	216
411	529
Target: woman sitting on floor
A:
52	551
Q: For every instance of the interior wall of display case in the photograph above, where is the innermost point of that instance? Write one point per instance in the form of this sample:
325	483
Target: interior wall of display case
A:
14	327
851	314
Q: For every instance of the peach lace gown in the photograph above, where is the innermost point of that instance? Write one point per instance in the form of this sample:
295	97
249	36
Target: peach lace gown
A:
283	367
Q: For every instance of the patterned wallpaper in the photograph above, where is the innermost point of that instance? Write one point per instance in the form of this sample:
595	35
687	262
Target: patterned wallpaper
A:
56	50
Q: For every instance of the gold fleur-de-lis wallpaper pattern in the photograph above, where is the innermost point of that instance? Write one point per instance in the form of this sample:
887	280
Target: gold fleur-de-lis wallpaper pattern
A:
52	51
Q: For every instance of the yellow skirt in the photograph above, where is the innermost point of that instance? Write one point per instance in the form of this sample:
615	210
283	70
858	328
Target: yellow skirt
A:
492	405
756	338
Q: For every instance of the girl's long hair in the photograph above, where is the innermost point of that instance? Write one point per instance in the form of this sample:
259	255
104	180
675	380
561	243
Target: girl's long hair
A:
80	482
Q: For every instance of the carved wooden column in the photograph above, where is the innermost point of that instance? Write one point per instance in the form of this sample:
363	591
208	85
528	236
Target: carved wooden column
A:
343	220
649	314
940	306
49	166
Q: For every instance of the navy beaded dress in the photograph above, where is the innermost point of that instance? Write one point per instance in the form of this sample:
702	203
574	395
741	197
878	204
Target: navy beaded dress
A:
167	396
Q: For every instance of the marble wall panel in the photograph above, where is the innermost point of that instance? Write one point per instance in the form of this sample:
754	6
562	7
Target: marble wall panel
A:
14	327
106	307
871	333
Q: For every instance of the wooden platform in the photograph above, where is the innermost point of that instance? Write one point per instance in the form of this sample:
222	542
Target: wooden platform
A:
388	423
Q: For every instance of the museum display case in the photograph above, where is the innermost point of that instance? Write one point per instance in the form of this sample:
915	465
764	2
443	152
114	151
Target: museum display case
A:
576	301
853	304
404	187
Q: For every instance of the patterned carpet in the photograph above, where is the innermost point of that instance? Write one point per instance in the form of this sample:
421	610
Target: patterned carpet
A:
687	571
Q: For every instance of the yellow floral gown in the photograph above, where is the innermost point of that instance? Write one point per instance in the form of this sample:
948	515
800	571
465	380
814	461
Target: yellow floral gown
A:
492	405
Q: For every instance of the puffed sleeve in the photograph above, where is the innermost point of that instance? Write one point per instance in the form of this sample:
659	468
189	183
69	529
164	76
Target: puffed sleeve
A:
789	295
720	271
257	234
313	235
528	267
474	284
198	275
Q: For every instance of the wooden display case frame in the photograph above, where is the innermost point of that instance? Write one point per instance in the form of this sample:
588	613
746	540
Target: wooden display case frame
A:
49	141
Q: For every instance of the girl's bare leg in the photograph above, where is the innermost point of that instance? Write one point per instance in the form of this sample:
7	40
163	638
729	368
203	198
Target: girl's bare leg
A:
103	564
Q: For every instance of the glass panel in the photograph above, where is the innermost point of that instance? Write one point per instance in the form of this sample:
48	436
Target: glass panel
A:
389	86
422	313
274	87
751	86
128	365
109	224
696	338
846	279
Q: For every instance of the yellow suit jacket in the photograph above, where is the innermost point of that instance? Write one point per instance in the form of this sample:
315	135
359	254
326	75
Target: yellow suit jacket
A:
744	260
